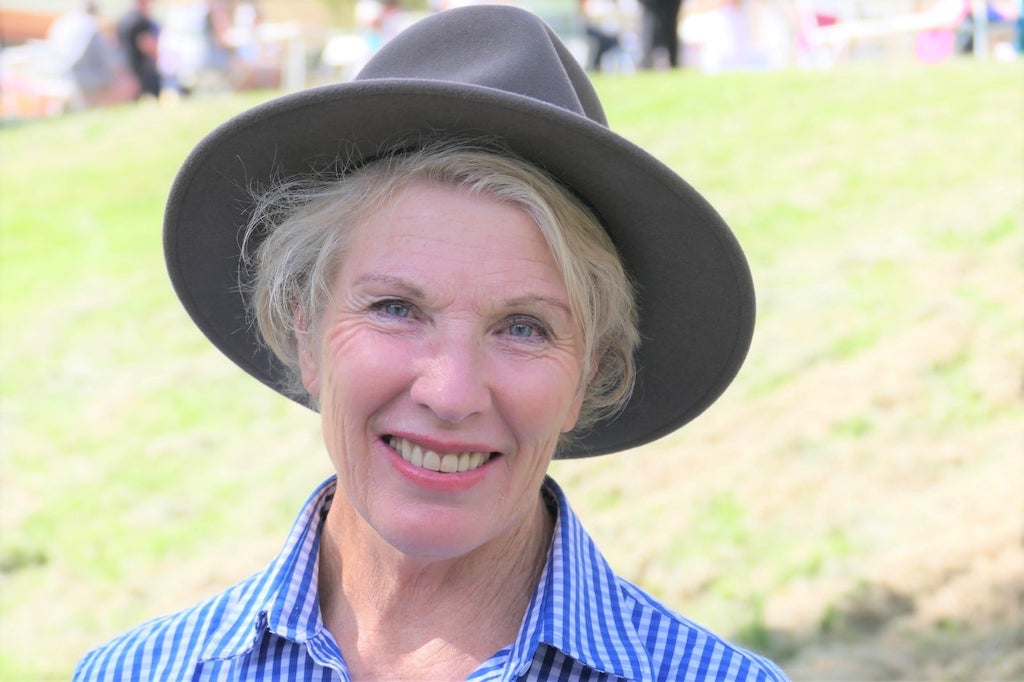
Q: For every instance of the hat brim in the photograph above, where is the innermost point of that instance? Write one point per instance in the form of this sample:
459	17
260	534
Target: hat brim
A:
695	292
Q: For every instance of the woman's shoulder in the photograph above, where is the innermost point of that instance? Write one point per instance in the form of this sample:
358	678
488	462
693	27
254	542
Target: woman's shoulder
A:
682	649
623	618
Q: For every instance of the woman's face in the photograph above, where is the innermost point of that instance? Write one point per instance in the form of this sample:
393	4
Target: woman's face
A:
449	365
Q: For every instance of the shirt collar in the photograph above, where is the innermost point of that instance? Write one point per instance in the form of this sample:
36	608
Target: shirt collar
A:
578	607
294	612
283	599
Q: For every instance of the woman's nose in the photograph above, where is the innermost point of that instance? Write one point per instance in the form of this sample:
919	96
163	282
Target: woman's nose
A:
451	384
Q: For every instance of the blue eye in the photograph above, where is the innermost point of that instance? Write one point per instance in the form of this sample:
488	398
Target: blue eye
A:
393	308
527	328
521	330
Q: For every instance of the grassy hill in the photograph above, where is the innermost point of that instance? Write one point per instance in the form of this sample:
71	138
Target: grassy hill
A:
854	505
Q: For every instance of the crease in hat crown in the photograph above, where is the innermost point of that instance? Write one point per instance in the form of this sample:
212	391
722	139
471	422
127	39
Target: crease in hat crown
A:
498	47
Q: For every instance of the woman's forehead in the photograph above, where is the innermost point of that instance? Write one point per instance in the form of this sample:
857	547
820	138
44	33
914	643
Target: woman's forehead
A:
443	230
427	212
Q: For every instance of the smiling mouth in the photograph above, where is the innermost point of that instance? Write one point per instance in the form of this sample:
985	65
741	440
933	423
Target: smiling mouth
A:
449	463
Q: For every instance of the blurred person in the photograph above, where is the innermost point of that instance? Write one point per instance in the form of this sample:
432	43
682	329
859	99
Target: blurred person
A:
138	34
601	26
255	61
192	52
86	55
454	261
246	18
1018	29
659	30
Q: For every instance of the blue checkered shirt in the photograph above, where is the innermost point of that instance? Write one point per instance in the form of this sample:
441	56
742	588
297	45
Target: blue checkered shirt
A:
583	623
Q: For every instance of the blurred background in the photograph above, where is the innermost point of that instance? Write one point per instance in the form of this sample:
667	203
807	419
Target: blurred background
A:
51	66
854	504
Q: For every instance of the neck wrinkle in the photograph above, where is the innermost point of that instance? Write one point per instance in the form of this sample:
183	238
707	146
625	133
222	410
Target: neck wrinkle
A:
462	610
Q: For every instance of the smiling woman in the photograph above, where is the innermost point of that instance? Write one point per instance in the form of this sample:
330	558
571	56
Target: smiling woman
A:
460	309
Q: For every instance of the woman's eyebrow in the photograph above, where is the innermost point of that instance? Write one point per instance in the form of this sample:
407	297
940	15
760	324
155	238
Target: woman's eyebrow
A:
543	300
400	284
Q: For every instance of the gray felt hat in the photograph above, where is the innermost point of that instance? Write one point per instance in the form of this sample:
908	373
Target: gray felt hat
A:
501	72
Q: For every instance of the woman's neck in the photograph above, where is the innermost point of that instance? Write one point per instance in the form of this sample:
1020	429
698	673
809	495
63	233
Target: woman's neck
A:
401	617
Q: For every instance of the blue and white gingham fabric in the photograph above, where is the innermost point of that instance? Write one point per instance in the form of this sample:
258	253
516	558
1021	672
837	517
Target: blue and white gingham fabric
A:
583	624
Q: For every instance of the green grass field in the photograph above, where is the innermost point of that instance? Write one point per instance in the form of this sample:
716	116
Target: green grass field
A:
854	505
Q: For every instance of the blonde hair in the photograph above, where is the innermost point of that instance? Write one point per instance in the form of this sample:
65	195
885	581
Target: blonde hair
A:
306	223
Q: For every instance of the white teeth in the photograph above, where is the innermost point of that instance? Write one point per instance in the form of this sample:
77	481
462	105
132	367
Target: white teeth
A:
431	460
450	463
416	456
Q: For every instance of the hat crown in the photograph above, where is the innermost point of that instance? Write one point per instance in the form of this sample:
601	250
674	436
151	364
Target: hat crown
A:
498	47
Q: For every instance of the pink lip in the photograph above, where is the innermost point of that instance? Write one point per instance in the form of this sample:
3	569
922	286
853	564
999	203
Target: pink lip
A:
434	480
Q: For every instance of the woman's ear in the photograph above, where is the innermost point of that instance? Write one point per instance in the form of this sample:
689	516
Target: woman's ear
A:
309	357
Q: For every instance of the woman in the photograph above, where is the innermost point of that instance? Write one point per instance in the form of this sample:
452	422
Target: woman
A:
437	262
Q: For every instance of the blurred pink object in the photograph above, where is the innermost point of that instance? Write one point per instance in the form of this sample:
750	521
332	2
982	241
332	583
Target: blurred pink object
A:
935	45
